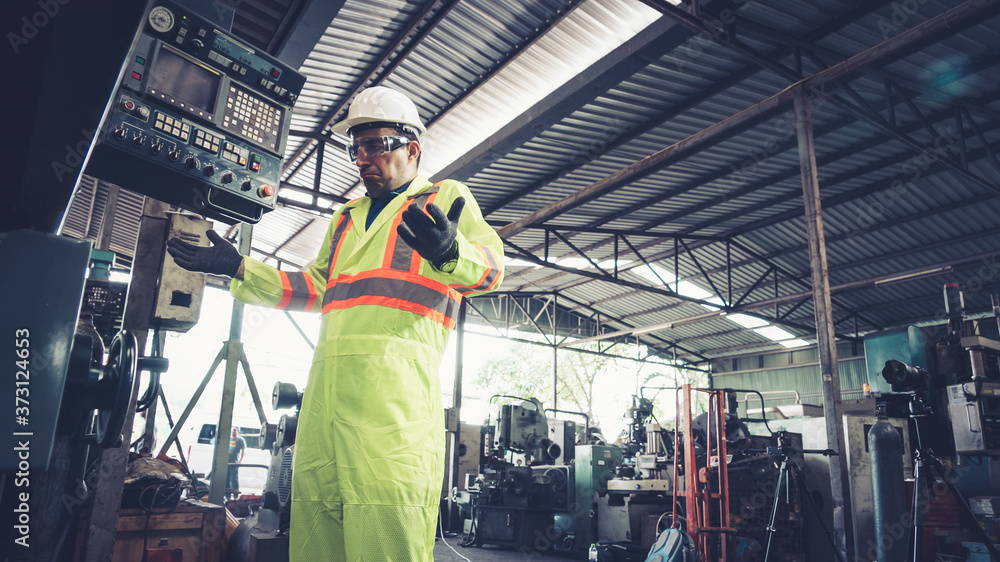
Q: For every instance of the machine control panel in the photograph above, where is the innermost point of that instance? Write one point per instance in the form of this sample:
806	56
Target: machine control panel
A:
199	120
974	408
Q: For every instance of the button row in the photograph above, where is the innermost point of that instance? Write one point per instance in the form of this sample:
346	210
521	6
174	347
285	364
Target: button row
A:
171	126
235	153
207	141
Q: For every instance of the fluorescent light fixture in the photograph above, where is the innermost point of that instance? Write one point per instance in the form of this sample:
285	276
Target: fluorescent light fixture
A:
794	343
774	333
747	321
296	196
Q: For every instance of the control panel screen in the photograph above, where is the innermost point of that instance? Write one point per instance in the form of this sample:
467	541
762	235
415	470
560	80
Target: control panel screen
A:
184	80
252	117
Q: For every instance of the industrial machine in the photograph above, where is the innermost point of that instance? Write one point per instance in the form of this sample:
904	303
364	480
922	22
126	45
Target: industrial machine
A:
199	119
69	401
943	395
263	536
711	478
524	495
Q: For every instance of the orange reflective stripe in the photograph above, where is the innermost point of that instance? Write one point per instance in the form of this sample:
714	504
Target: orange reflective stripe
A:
394	289
390	260
298	291
423	201
286	290
337	240
399	255
489	277
399	304
311	287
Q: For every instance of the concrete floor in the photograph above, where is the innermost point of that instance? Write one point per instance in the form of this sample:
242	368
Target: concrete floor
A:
489	554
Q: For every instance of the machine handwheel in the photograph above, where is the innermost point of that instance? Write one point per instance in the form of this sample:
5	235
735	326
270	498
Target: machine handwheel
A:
116	389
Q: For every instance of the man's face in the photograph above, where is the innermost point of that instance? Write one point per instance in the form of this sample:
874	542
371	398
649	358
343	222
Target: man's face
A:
390	170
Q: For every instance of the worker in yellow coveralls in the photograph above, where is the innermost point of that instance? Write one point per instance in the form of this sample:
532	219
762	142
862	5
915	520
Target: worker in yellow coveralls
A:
388	280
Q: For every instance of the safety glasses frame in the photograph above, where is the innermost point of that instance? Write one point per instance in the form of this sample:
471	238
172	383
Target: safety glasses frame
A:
376	146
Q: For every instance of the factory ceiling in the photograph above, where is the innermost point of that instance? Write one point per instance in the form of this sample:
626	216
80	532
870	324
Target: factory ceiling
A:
640	158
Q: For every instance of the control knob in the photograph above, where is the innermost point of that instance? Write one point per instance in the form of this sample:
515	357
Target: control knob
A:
227	177
191	162
155	147
174	155
195	46
138	140
120	133
208	170
246	185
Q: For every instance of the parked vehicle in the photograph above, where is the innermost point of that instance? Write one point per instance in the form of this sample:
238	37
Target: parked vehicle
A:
200	447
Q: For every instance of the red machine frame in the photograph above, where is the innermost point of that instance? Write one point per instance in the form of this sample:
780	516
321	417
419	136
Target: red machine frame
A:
702	500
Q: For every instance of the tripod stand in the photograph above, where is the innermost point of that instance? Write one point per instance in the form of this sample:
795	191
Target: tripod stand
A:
783	452
786	471
924	458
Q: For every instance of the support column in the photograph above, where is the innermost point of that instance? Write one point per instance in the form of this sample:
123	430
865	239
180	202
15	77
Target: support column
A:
826	340
454	432
555	362
138	314
234	354
456	395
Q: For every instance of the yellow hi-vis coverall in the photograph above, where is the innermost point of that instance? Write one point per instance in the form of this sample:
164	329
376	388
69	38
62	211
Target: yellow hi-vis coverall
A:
369	452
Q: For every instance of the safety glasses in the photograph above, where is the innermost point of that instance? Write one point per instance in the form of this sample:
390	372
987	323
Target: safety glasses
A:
375	146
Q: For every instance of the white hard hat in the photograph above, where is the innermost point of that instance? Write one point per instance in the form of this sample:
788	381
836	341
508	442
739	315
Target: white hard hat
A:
381	105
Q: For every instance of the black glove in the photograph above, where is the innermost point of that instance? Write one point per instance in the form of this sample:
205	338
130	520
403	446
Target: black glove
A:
221	258
432	234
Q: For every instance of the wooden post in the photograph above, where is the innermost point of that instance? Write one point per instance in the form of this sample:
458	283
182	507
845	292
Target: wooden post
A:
138	313
824	324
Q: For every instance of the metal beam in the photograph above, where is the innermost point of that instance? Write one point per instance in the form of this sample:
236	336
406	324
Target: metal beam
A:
957	22
297	35
734	78
681	149
652	342
402	43
649	44
771	180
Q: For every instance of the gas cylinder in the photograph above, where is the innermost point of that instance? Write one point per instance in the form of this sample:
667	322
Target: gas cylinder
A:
885	449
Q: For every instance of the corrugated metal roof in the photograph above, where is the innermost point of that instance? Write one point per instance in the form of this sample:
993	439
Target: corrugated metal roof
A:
531	102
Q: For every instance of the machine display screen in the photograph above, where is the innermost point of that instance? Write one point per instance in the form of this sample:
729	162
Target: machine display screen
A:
252	117
184	80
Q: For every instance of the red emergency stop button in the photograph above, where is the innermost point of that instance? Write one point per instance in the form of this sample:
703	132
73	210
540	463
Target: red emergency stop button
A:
265	191
129	105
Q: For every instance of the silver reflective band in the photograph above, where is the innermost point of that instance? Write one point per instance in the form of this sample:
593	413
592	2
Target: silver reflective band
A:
375	146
